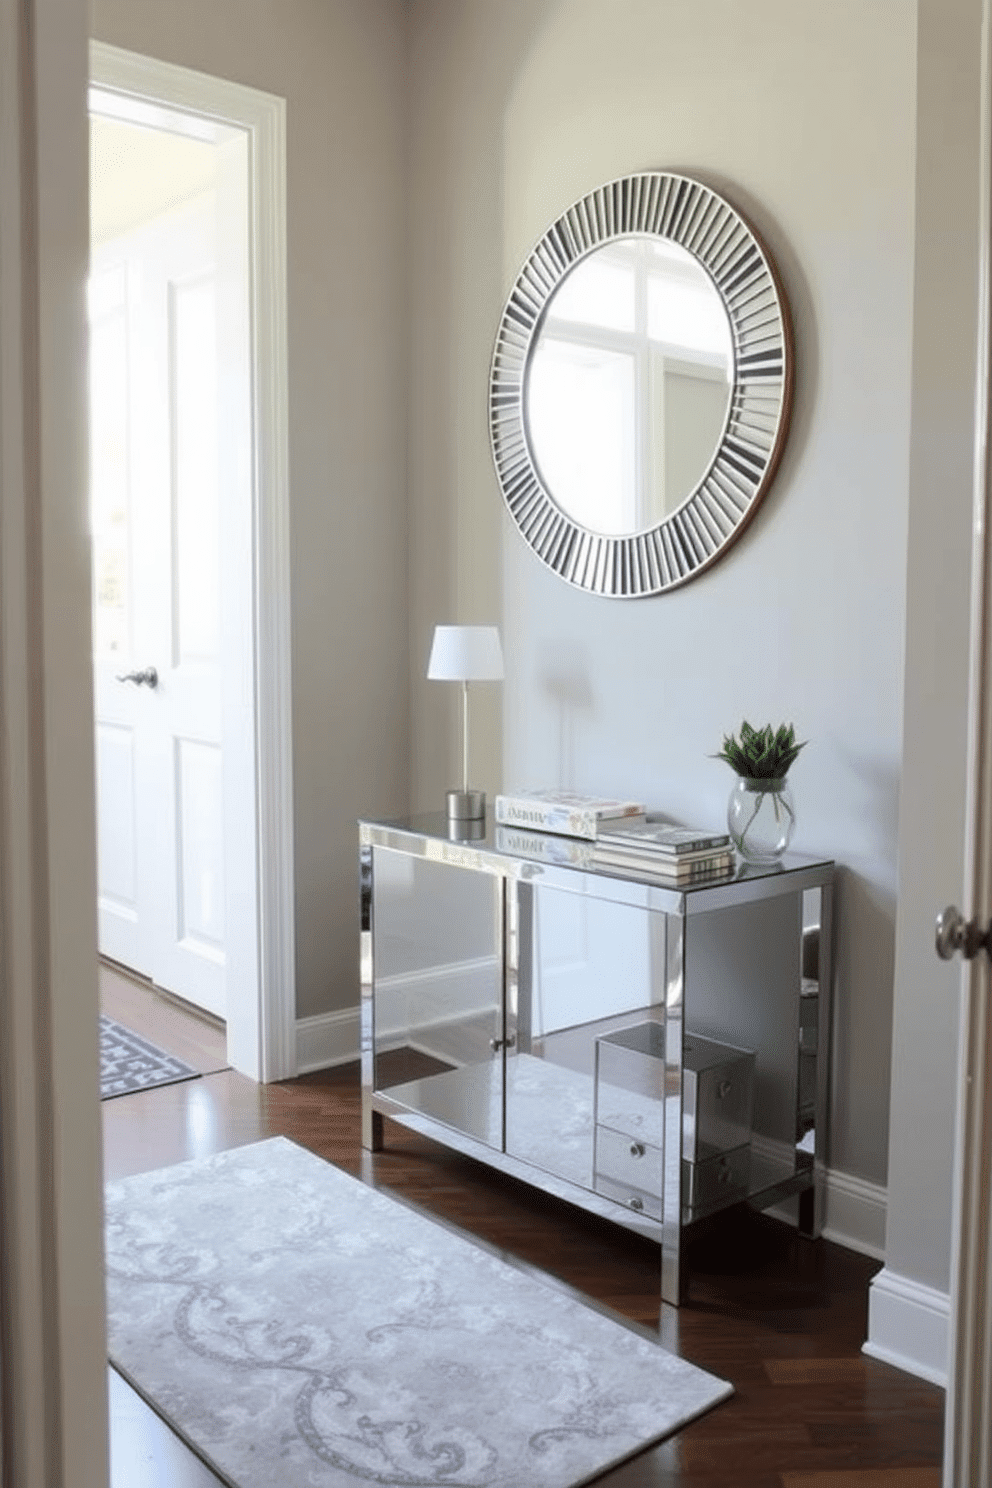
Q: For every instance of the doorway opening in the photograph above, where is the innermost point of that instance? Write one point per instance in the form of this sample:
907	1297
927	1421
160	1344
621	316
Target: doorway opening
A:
170	469
188	505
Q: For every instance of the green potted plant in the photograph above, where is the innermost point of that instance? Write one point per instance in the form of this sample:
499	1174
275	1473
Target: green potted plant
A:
761	812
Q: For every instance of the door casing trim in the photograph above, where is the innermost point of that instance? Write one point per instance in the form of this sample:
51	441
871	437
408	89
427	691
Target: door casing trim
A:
261	1025
968	1429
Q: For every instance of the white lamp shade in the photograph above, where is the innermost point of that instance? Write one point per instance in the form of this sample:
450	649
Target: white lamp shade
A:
466	653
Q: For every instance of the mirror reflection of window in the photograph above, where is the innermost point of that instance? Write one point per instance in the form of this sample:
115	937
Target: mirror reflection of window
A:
575	386
628	385
684	310
599	292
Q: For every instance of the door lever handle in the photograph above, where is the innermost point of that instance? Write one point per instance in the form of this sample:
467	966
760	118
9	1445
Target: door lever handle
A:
147	677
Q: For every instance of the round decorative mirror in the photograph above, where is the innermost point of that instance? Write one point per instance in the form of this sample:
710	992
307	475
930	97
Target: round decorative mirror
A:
640	385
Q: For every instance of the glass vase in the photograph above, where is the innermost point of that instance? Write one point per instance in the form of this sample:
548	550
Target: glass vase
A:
760	818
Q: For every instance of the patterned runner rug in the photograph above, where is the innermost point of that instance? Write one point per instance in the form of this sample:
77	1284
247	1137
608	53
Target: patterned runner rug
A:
299	1328
129	1062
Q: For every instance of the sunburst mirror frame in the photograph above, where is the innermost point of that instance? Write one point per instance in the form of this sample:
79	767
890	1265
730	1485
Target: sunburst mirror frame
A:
687	541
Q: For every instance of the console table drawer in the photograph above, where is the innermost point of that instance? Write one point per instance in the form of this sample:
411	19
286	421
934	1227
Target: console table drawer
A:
629	1170
717	1097
716	1180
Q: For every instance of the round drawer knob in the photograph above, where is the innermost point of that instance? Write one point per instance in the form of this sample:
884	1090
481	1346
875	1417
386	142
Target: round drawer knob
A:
636	1203
637	1149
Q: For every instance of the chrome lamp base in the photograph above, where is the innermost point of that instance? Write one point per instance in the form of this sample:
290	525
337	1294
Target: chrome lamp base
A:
466	805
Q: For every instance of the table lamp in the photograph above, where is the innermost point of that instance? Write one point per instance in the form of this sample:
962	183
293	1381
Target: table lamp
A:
466	653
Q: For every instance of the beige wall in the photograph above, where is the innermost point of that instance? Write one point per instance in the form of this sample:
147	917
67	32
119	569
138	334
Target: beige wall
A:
340	66
463	59
806	117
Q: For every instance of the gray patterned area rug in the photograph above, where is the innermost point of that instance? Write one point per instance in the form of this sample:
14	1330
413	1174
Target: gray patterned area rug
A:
129	1062
299	1328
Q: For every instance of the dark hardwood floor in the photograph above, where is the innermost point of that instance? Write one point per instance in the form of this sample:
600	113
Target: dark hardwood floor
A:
781	1317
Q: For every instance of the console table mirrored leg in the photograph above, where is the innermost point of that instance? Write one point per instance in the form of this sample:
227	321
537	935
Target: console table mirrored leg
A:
673	1278
372	1134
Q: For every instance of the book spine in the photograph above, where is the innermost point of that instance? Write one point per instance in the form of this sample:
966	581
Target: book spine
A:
650	854
687	873
712	843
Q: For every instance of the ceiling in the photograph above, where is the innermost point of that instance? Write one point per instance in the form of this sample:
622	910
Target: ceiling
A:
137	173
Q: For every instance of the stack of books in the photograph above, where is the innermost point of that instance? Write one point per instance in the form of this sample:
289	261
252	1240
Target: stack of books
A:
679	855
558	826
564	812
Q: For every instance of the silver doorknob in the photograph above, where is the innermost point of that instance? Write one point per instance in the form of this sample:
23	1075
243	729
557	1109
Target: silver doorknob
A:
954	933
147	677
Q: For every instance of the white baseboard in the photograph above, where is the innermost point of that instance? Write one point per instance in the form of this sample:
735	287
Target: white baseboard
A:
909	1325
326	1039
855	1216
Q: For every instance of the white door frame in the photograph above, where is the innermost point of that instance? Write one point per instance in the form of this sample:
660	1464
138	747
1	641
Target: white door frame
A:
53	1335
261	1029
968	1429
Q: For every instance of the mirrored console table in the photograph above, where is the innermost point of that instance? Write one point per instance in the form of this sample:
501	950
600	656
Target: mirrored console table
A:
653	1054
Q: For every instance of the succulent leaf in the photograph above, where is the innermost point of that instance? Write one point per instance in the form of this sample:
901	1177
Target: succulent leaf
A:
761	754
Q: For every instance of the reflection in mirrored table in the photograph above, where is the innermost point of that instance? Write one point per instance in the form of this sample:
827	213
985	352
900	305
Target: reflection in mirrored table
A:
653	1056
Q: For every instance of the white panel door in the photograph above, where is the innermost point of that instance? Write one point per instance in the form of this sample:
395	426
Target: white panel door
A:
164	470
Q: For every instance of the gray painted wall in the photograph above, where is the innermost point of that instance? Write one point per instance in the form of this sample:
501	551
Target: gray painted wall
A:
340	65
491	119
807	120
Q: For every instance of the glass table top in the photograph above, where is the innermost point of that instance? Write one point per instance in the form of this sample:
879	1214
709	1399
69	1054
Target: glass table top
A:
554	849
